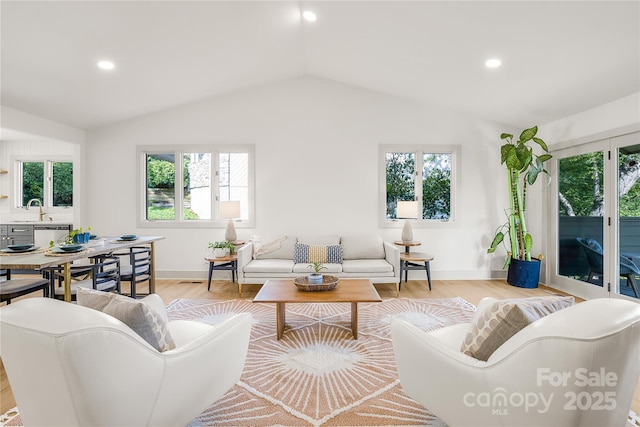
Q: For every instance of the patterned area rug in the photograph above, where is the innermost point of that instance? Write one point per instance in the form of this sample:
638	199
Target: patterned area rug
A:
317	374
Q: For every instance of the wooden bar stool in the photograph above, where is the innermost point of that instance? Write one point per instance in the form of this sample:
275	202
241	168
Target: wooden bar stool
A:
414	261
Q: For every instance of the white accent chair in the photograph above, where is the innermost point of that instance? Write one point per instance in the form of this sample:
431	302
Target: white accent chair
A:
536	377
74	366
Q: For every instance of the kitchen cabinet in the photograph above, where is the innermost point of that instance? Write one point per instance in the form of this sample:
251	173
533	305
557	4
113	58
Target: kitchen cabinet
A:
40	234
17	235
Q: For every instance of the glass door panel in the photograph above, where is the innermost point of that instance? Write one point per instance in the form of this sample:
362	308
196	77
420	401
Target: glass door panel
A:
628	189
595	218
580	218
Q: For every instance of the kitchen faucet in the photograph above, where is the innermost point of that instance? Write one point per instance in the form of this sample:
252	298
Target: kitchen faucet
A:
41	213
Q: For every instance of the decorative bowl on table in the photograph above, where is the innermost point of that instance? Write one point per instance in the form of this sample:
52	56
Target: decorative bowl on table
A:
328	283
128	237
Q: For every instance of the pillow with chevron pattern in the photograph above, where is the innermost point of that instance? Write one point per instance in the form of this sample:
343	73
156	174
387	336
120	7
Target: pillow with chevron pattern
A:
331	254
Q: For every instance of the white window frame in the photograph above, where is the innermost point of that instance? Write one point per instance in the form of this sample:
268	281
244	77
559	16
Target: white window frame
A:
179	151
418	150
47	185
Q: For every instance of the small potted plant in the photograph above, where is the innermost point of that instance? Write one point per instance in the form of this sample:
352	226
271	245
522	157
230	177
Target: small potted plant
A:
315	278
221	249
80	236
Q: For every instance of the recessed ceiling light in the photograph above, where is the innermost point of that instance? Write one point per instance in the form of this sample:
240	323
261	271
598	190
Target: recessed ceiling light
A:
106	65
493	63
309	16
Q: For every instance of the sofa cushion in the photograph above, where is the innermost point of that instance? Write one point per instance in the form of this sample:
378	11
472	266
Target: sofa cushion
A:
319	240
366	266
274	248
304	253
330	268
362	247
137	315
269	266
504	318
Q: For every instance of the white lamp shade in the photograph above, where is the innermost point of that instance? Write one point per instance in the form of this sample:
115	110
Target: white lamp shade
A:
230	209
407	209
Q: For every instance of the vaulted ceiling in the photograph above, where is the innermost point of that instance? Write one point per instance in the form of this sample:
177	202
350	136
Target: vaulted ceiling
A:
558	58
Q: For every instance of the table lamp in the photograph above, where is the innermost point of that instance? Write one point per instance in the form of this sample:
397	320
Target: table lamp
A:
407	210
230	210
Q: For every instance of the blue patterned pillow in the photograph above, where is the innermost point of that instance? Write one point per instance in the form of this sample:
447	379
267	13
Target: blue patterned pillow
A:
317	253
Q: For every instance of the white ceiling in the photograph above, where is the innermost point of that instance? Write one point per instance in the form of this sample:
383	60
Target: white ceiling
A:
559	58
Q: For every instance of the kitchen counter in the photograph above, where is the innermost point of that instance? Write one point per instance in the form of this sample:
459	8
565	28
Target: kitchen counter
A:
35	222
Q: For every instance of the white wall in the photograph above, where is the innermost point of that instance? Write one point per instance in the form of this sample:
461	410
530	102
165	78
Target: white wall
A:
316	169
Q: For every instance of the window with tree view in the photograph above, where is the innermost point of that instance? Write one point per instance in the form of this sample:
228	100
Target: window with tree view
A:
187	185
48	181
422	174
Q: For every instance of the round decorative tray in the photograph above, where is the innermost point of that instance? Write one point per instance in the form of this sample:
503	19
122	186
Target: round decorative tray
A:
328	282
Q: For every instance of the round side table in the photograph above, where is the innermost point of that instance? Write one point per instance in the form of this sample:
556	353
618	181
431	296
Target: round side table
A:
407	245
415	261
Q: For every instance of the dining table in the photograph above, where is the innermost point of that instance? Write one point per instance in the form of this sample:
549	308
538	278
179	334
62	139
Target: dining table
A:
46	257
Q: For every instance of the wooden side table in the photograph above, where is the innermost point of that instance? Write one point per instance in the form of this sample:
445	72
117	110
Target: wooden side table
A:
225	263
415	261
407	245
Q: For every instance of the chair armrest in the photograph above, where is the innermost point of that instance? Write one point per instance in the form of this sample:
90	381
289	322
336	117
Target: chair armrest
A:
392	255
245	254
203	370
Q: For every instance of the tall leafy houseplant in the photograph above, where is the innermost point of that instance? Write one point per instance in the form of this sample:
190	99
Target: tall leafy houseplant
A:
523	167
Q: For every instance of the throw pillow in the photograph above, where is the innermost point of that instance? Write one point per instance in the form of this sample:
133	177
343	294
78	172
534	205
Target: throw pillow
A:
503	319
317	253
137	315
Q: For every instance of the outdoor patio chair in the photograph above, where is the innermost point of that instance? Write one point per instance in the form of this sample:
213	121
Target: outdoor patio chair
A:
594	253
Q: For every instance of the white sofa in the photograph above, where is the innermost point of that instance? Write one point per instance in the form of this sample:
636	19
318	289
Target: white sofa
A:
363	257
576	367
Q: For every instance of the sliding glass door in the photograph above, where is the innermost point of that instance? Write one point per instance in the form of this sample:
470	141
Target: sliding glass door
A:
595	221
627	150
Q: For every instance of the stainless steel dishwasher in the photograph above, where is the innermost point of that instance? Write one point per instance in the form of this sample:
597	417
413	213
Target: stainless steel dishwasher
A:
45	233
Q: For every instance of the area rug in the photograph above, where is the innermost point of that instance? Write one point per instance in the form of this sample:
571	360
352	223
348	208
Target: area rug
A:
317	374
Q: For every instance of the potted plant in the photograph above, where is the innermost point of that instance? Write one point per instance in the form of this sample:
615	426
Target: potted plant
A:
221	249
80	236
523	167
315	278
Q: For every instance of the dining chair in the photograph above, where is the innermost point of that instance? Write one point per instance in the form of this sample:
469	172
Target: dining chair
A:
102	275
14	288
139	268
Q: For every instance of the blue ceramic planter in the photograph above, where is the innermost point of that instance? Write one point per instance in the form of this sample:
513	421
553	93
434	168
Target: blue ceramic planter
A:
524	274
81	238
315	279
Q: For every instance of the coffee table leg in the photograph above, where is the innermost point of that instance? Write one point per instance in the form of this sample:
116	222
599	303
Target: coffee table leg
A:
280	319
354	320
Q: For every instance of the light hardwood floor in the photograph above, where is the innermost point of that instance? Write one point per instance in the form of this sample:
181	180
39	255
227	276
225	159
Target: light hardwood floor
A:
472	291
